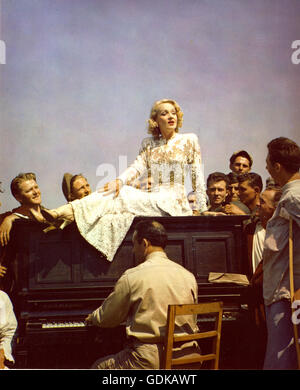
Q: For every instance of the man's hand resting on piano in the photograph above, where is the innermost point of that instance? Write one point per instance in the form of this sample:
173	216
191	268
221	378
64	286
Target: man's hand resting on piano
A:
89	320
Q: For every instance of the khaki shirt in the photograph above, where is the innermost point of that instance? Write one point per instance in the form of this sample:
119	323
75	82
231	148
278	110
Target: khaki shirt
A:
142	295
276	284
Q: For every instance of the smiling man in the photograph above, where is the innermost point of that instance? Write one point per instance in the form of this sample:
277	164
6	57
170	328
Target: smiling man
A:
26	191
75	186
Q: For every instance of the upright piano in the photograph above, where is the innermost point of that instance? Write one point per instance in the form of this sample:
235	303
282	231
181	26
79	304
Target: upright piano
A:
59	279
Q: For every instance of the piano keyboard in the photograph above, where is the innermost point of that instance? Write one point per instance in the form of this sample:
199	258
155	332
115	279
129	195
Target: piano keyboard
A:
69	324
227	316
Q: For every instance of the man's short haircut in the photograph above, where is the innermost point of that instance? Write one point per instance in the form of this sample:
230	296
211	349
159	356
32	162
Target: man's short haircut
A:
233	178
215	177
286	152
271	184
254	180
152	231
241	153
191	193
15	183
277	195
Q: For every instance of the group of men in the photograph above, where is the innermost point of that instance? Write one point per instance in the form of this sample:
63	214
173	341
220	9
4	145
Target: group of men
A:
235	193
240	192
269	244
226	193
26	191
142	294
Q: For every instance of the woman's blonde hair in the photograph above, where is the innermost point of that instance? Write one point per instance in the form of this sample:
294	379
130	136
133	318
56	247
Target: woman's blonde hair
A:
152	124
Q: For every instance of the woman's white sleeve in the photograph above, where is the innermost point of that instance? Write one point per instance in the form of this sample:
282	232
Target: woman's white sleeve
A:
137	168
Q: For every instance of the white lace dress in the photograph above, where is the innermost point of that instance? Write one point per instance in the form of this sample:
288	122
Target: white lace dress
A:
104	221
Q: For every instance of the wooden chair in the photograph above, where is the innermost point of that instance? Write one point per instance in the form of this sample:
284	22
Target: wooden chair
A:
214	309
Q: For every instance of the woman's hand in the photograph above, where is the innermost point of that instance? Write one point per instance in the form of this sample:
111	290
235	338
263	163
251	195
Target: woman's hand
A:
112	187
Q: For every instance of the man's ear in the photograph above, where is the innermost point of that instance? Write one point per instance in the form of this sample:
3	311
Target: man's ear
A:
277	166
146	243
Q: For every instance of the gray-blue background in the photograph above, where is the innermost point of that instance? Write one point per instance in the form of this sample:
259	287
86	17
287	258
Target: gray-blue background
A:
81	75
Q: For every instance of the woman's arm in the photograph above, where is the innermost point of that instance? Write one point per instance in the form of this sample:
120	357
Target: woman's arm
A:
136	169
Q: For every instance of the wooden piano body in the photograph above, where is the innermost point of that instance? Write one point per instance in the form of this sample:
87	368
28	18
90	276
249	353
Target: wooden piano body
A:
60	278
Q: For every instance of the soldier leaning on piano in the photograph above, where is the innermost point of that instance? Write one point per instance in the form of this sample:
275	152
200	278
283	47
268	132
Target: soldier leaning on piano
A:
26	191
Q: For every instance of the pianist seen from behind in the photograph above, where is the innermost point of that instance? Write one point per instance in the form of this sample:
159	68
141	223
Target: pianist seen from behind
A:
140	299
